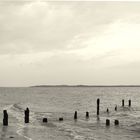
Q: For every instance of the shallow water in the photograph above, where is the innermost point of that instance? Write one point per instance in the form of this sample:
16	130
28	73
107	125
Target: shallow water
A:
55	102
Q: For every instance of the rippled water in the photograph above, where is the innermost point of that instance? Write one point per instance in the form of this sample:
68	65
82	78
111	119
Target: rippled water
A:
55	102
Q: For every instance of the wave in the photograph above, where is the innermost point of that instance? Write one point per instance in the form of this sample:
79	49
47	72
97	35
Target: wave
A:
16	111
21	132
82	129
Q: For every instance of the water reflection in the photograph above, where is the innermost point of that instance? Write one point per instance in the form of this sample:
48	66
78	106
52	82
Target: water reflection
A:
3	132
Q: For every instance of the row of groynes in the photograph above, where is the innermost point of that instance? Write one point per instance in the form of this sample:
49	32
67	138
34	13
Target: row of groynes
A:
45	120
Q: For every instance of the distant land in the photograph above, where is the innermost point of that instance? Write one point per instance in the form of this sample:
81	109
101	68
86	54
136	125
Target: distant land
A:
86	86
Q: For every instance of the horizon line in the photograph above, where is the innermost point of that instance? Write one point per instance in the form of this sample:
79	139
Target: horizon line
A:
72	85
84	85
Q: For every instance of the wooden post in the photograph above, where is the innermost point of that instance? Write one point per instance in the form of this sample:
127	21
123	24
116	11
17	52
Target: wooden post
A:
45	120
116	122
107	110
75	115
129	103
107	122
98	106
87	114
61	119
5	118
116	108
123	102
26	119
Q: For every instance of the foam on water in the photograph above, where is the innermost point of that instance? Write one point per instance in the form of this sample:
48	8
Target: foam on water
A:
62	102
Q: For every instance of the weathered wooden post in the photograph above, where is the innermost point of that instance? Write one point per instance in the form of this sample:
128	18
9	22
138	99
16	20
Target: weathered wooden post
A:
107	122
123	102
60	119
26	119
87	114
98	106
45	120
129	103
107	110
75	115
5	118
116	122
116	108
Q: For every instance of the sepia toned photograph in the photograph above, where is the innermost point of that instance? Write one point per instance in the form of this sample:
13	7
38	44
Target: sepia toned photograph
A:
69	70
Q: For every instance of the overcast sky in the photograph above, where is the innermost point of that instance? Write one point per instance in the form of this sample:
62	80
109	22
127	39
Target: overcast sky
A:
96	43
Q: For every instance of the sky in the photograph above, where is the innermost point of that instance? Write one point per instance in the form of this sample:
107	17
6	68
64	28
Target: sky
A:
69	42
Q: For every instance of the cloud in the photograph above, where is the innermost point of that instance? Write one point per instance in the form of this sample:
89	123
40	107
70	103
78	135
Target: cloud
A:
68	42
44	26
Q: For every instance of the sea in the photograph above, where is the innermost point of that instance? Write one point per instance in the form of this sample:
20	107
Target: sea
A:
55	102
